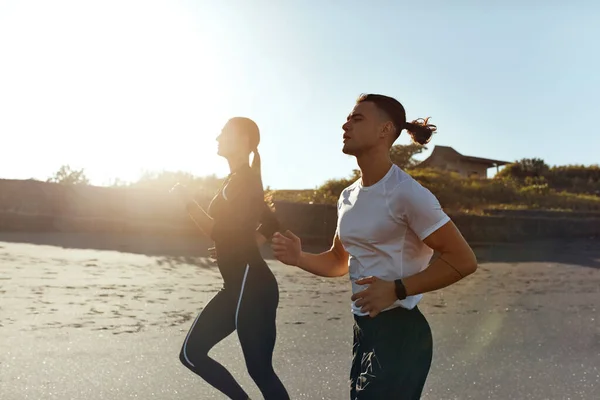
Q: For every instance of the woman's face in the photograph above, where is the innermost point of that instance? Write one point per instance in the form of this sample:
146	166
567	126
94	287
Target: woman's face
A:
231	142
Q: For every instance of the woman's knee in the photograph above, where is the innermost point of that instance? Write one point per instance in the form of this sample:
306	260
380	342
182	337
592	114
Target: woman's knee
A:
192	359
183	358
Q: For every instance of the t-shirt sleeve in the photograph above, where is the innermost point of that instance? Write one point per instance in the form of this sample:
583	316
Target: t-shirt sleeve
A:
416	206
338	207
244	202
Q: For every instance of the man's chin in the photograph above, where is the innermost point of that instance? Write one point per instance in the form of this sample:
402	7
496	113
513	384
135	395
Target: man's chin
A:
347	150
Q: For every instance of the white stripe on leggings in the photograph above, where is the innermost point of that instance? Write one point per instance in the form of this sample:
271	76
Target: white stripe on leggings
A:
237	310
186	341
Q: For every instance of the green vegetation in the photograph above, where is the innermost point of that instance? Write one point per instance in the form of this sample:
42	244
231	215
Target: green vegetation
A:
525	184
68	176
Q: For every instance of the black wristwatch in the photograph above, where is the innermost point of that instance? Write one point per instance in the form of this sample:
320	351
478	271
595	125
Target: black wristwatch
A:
400	289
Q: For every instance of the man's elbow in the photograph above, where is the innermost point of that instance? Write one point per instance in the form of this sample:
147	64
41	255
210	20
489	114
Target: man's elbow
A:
339	272
470	269
335	264
341	267
470	264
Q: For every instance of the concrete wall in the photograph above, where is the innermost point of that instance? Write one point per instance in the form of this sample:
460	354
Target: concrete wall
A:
50	206
37	207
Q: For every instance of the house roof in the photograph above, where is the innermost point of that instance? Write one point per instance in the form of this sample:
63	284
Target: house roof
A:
449	153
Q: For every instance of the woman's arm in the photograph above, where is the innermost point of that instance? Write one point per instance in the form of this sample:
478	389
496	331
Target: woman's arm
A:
241	208
269	224
202	220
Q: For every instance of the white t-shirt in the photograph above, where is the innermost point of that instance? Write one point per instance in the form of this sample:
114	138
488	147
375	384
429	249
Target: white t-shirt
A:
382	228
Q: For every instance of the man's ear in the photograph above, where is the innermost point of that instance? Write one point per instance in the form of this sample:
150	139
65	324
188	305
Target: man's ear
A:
386	129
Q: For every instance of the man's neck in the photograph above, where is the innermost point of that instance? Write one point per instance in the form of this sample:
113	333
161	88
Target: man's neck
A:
373	167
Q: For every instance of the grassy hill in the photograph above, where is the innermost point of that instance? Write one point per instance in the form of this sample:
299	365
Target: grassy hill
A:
468	195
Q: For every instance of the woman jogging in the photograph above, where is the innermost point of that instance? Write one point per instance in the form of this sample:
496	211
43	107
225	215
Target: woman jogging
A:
249	298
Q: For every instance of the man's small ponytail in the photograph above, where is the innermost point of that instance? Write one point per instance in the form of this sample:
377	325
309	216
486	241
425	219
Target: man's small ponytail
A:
420	130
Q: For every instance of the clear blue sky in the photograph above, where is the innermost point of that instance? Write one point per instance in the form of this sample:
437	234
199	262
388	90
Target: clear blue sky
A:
118	87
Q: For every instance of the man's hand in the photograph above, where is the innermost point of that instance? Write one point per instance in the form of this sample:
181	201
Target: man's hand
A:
287	247
377	297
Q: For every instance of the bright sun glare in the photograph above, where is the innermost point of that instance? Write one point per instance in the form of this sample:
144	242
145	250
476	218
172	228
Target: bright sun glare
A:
115	86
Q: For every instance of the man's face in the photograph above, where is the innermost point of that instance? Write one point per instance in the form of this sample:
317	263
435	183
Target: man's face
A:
364	129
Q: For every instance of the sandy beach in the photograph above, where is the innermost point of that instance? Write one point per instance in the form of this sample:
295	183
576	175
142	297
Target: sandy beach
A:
103	317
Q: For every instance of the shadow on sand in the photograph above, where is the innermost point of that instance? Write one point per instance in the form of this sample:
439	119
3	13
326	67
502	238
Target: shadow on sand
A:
193	250
584	252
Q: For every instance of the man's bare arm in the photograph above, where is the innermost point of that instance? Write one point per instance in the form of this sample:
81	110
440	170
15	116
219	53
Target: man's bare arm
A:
331	263
456	261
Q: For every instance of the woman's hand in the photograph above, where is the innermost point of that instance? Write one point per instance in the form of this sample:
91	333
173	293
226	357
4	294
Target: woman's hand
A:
182	193
212	253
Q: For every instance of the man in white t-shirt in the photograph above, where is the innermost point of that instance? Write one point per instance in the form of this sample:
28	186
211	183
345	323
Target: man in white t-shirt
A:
388	228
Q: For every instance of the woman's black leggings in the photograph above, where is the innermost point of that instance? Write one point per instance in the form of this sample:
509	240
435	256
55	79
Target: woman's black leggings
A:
248	305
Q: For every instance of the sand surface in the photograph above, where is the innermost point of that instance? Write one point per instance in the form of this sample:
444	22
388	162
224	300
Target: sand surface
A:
103	317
